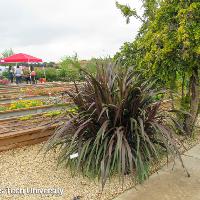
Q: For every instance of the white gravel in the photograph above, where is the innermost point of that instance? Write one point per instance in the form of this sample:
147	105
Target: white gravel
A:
24	168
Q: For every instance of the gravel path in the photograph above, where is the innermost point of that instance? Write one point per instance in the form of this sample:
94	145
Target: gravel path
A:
24	168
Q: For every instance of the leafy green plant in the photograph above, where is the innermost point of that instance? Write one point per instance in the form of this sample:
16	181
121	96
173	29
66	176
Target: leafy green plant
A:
52	113
69	69
118	127
22	104
5	74
90	66
50	73
167	47
25	104
7	52
25	118
2	108
72	110
68	73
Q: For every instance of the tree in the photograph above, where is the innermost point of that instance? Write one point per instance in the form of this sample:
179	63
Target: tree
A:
7	52
69	68
168	47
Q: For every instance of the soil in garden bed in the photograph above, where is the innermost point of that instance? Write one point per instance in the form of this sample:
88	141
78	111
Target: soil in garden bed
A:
31	103
34	91
26	97
24	123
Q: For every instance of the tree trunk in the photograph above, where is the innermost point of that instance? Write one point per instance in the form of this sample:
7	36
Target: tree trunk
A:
172	99
182	87
194	102
172	89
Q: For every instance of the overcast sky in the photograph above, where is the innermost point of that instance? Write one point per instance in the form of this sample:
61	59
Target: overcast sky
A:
50	29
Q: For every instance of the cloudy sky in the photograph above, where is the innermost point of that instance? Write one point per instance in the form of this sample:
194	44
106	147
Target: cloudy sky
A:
50	29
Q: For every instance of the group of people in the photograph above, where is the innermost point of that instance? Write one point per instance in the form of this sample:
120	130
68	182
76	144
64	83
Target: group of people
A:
22	73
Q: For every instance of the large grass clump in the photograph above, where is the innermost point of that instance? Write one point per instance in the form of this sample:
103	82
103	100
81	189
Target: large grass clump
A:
119	127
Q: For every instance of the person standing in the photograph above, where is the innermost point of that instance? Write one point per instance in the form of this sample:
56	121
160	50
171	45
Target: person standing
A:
27	75
33	76
10	74
18	75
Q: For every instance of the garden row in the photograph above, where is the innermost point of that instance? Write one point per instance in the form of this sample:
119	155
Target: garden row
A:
12	93
25	122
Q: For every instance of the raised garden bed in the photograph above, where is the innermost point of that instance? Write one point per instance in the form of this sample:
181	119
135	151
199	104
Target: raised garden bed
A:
45	91
33	110
24	137
47	85
23	123
17	132
8	96
33	91
7	92
21	104
28	97
6	89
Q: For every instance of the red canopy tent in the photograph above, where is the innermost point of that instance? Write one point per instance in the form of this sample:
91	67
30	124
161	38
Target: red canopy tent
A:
20	58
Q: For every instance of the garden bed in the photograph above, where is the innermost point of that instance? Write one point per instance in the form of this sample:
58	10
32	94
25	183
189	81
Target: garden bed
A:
23	123
44	91
25	137
21	104
33	91
32	110
6	89
47	85
9	96
27	97
7	92
32	129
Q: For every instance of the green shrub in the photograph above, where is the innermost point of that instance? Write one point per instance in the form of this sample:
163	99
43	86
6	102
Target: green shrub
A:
91	66
40	73
69	69
118	128
5	74
69	74
51	74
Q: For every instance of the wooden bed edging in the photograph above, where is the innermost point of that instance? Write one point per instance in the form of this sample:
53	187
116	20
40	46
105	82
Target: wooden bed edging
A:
25	137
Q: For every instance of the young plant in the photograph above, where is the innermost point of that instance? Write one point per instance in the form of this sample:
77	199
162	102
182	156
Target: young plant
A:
118	128
25	118
25	104
52	113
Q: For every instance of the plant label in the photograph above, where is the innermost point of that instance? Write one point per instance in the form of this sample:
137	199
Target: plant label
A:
75	155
